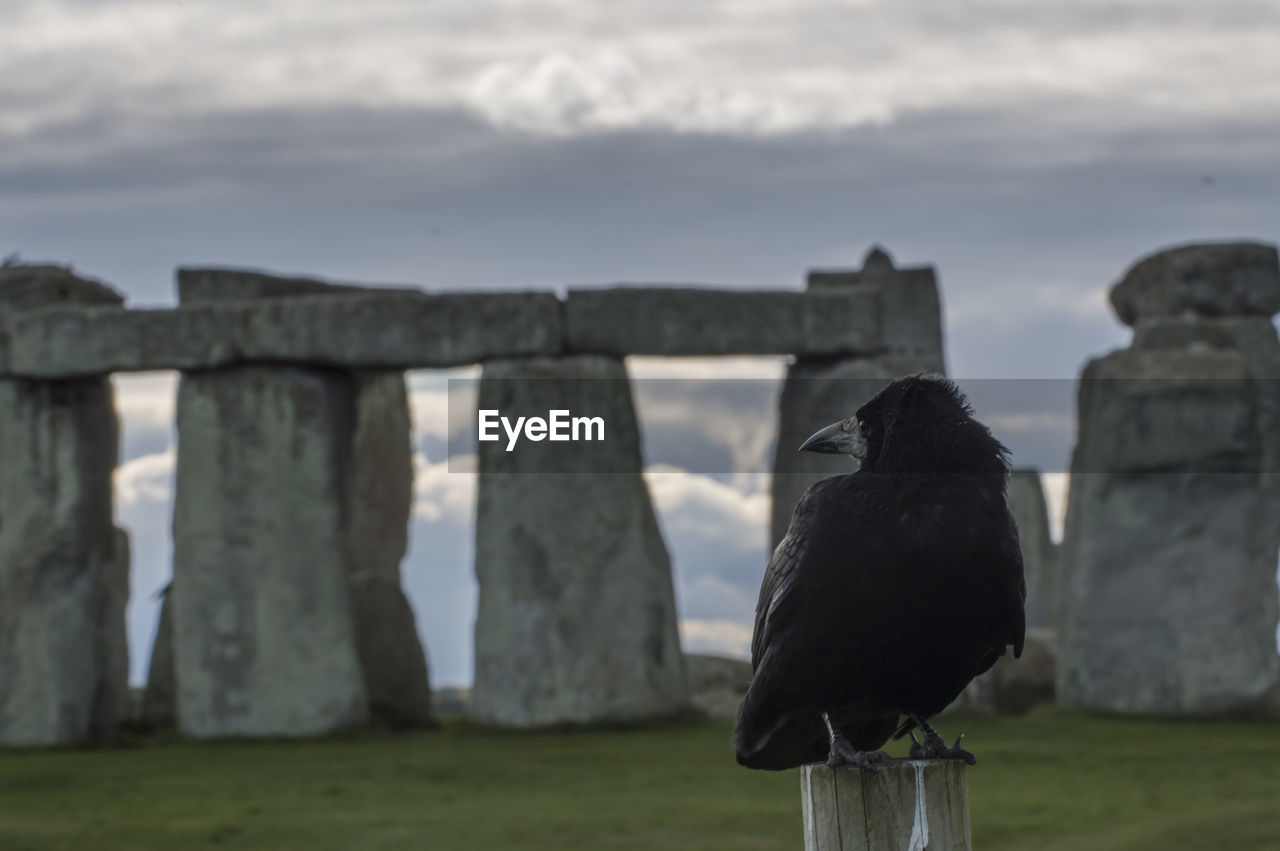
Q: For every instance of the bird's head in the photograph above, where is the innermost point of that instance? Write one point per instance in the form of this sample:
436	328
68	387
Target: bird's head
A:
919	424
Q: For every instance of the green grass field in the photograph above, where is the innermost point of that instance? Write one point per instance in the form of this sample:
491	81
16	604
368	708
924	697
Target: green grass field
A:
1053	780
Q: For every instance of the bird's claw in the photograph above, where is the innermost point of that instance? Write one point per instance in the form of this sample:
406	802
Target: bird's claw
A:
934	747
843	753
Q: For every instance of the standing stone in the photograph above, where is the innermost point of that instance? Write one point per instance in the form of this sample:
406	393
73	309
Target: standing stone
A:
1014	686
1039	554
391	655
392	660
817	392
264	643
1169	553
64	567
159	710
576	619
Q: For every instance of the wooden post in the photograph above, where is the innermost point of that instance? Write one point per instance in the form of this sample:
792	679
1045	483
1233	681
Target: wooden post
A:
908	804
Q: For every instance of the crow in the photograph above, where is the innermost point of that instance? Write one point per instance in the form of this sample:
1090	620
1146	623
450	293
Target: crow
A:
894	587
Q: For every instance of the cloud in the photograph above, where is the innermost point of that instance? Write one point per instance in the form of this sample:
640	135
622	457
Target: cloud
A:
144	508
724	637
145	404
554	67
440	494
559	94
699	507
148	478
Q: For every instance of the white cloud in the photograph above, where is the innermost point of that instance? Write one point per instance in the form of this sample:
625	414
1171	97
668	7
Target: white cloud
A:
725	637
559	94
145	406
441	401
145	479
693	506
555	67
442	494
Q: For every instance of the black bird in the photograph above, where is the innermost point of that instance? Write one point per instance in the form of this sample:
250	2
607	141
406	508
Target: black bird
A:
894	587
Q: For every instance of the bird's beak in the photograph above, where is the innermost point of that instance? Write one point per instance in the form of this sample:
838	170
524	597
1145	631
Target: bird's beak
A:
842	438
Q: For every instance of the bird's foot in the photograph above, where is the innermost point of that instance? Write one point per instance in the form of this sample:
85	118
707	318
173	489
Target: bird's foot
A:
935	747
843	753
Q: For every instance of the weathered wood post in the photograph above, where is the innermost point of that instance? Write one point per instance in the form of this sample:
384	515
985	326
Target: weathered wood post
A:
907	804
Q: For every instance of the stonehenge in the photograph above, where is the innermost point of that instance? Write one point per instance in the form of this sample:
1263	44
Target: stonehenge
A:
1169	598
286	614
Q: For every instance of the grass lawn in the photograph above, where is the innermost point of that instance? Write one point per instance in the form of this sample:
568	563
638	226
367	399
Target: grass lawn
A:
1054	780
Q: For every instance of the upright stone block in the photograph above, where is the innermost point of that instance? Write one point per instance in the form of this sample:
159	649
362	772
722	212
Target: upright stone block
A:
1169	553
392	660
1039	554
818	392
159	709
576	619
264	640
64	568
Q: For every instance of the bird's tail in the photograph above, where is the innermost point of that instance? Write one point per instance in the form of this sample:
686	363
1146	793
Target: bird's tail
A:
776	741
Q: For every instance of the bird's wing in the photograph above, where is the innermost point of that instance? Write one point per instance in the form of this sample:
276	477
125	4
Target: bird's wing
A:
776	602
779	580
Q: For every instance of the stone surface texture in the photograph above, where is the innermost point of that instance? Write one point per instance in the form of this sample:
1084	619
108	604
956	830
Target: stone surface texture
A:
1173	522
64	567
1214	279
688	321
159	709
64	577
576	619
717	684
391	652
1016	686
264	640
375	506
1039	553
391	330
27	287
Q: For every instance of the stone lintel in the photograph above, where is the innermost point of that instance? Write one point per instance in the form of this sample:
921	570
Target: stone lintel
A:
391	331
630	320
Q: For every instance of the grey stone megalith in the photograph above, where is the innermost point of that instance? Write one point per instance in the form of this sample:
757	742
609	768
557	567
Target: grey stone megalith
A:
264	643
64	567
576	620
819	391
1169	555
1039	553
357	423
159	694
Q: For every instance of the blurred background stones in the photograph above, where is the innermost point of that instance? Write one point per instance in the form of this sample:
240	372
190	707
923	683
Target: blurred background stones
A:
1169	556
287	615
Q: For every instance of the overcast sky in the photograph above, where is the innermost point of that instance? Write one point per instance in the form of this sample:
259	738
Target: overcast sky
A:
1030	151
